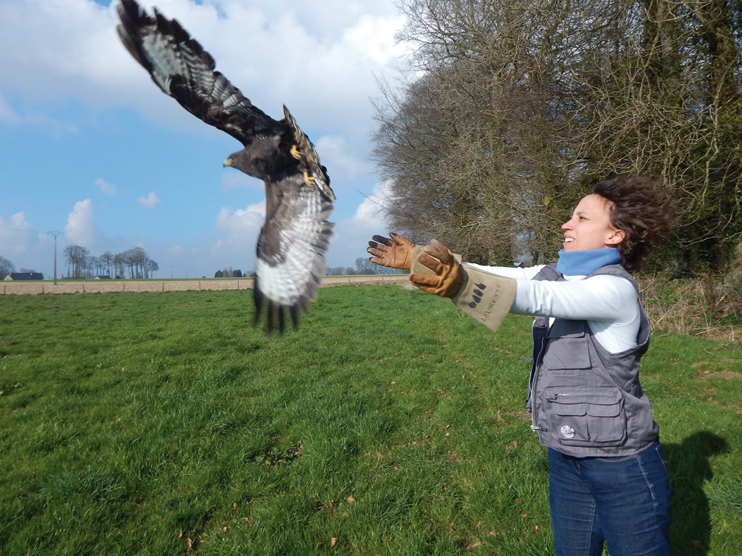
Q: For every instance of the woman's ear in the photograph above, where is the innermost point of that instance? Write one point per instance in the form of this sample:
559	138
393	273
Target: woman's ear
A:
616	237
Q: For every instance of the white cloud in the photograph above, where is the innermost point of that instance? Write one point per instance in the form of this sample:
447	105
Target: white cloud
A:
17	235
374	37
150	201
239	229
321	61
105	187
370	211
344	165
59	46
240	226
352	235
80	229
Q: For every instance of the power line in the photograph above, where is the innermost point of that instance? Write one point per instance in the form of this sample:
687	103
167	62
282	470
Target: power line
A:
4	227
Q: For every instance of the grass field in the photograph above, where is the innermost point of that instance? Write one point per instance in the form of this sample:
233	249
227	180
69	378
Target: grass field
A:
388	424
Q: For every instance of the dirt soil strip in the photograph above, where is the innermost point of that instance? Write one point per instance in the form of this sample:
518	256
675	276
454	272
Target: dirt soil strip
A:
96	286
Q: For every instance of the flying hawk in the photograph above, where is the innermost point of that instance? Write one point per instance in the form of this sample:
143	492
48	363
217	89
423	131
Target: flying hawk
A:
298	198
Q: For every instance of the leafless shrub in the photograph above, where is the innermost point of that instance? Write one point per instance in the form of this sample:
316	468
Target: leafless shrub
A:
693	306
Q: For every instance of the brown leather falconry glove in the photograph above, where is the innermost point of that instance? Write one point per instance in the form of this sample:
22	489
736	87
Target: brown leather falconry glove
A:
396	252
448	275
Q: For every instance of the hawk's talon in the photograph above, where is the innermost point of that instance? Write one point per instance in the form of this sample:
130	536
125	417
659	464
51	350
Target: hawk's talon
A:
295	152
309	180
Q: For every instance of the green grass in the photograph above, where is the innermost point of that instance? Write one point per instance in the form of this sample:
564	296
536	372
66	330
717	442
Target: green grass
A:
145	423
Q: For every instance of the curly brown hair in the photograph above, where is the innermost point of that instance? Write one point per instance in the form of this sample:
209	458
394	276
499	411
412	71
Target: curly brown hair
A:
642	208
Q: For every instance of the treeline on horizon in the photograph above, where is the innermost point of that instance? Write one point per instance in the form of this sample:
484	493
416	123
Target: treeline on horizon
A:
133	263
136	264
363	267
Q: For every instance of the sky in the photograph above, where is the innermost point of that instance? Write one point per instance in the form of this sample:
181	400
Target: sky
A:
91	148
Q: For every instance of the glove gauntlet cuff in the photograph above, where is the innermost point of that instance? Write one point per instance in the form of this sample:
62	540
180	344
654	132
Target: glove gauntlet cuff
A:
487	298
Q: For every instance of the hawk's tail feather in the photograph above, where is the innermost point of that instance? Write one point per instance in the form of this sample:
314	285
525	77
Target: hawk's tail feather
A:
304	301
271	318
275	312
258	299
281	319
294	311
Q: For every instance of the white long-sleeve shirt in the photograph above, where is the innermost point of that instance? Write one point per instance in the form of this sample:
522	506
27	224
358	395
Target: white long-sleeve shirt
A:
609	304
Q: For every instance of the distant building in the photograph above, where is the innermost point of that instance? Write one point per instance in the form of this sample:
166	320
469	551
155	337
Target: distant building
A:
25	276
102	277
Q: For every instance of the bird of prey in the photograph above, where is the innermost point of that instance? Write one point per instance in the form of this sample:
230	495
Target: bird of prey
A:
298	198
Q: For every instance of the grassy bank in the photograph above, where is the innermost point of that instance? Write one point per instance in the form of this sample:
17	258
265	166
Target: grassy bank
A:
388	424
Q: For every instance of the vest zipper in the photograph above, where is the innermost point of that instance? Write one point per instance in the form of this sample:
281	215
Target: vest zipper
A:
536	364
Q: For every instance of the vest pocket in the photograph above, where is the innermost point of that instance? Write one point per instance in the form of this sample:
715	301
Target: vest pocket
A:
581	416
571	351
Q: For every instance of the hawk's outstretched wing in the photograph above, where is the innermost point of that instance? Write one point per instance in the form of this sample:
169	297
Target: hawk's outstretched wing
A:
181	67
296	233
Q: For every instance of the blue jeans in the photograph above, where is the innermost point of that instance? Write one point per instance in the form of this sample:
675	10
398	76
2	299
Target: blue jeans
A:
624	501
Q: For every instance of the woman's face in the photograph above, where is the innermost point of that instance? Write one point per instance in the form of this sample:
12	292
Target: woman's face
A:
590	226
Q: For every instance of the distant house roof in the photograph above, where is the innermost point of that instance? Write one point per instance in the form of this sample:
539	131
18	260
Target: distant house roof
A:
25	276
102	277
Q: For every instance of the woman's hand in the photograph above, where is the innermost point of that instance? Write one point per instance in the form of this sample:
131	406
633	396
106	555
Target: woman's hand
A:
395	252
448	275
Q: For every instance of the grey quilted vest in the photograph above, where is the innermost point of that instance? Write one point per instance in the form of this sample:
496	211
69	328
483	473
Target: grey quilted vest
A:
585	401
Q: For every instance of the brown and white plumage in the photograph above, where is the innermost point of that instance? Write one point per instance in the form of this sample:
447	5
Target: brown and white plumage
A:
296	234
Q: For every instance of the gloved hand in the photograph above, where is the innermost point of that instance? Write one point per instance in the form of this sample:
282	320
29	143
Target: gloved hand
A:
448	277
395	252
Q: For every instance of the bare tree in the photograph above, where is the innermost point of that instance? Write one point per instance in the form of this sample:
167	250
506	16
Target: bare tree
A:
664	99
139	262
152	267
106	260
77	260
476	148
513	108
119	264
6	267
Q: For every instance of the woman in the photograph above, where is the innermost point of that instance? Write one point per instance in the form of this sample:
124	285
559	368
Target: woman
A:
607	477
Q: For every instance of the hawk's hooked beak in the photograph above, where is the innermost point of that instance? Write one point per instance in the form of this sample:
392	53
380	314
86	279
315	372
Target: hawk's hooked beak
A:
227	162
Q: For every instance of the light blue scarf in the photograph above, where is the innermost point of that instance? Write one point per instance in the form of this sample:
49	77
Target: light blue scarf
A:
584	263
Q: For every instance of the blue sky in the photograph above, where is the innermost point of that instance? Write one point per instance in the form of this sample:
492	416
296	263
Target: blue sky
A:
89	146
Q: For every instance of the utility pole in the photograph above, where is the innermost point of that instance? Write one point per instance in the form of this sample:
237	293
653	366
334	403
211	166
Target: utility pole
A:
55	234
